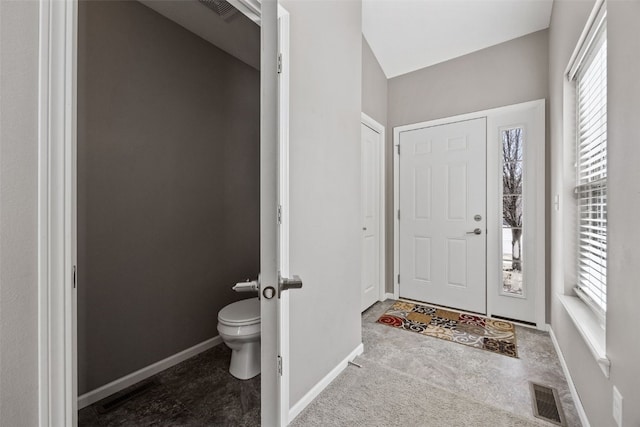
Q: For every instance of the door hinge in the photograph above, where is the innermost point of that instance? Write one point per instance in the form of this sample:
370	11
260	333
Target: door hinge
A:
398	279
398	148
279	214
280	365
398	214
75	277
279	63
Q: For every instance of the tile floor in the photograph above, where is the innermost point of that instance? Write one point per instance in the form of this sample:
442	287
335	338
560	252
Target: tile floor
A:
498	383
201	392
197	392
491	378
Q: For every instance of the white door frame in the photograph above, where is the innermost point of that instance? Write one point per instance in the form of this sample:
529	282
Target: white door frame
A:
378	128
57	209
493	214
57	388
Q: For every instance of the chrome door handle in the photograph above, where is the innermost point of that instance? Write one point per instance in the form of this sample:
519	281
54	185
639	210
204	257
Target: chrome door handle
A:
248	286
476	231
289	283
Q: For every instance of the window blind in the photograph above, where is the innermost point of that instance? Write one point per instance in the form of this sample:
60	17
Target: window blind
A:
591	172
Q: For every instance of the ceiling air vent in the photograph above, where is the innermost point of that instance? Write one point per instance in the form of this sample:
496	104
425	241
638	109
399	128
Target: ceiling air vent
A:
221	7
546	404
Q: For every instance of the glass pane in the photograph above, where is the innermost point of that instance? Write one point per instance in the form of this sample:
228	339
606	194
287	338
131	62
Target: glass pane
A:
512	145
512	260
512	242
512	178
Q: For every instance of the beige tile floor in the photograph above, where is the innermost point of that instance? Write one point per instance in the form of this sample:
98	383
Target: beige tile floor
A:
493	381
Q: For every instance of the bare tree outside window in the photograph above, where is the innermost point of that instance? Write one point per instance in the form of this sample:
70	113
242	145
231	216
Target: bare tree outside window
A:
512	209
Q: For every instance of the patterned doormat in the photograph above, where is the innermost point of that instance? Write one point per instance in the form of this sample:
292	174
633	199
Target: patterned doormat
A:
493	335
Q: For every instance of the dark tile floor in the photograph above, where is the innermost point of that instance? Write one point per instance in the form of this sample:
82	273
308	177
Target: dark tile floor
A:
197	392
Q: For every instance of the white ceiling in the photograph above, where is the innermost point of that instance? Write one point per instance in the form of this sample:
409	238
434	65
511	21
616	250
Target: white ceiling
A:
406	35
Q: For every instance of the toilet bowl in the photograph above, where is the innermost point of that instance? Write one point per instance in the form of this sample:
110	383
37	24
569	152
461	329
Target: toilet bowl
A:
239	328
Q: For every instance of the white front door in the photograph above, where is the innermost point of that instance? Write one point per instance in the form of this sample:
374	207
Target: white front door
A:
443	215
370	194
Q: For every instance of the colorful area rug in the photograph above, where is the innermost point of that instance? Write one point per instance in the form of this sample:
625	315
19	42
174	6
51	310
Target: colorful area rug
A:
493	335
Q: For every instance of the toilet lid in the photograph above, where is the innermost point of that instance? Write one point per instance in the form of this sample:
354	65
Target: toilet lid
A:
245	311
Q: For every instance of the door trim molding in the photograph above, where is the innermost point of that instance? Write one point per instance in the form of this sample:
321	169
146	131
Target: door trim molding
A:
57	377
380	129
540	308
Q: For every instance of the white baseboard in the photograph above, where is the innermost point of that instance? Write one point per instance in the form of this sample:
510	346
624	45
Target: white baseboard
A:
323	383
574	393
144	373
388	295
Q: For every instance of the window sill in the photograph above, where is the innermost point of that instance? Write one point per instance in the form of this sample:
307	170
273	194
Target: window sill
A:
589	328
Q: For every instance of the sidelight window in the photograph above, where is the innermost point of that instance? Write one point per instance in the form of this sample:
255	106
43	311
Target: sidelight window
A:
512	218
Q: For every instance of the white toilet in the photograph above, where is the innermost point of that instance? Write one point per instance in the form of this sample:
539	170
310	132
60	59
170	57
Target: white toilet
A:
239	328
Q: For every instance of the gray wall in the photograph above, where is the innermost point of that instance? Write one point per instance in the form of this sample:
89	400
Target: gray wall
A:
374	104
18	213
623	346
326	49
168	187
509	73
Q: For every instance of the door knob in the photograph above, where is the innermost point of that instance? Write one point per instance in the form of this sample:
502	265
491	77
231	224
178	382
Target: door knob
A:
476	231
289	283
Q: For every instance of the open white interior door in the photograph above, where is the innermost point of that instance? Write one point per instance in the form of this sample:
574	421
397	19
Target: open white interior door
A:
283	212
274	215
269	177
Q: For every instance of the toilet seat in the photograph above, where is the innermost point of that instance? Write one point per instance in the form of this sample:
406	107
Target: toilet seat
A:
241	313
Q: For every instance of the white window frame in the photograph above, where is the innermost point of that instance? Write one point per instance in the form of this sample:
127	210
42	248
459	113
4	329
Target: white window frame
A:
587	318
597	36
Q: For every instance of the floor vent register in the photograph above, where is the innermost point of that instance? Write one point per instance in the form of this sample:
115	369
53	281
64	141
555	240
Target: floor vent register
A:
546	404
